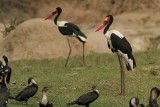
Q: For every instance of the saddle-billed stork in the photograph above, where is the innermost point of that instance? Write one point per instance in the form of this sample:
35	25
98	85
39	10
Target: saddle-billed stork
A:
69	30
119	44
87	98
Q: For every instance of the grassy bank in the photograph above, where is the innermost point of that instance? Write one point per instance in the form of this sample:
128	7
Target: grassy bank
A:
102	70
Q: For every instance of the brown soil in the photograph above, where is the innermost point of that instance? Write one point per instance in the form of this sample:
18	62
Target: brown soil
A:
139	21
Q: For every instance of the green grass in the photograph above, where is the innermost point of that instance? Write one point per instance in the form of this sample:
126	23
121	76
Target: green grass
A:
102	70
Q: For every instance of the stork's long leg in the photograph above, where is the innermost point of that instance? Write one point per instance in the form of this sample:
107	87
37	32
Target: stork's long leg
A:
70	50
83	53
122	76
123	81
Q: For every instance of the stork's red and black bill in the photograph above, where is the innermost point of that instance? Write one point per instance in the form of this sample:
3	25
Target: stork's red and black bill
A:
51	15
100	27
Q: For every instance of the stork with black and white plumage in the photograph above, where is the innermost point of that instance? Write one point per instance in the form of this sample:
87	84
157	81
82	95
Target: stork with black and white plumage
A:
119	44
69	30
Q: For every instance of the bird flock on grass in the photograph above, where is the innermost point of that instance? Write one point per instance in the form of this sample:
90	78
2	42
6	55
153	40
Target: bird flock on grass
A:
116	42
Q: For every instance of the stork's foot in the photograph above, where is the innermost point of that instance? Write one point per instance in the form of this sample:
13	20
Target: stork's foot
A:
122	94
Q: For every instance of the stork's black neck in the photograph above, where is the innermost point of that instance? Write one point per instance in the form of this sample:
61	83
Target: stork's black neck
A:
106	28
109	24
56	18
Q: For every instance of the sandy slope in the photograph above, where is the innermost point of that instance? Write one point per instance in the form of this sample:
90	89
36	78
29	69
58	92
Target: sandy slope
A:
1	34
36	38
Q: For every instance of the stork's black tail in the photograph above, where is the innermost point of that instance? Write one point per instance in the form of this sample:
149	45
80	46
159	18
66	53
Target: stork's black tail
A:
134	62
128	66
71	103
